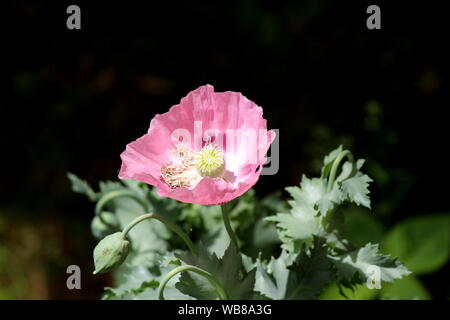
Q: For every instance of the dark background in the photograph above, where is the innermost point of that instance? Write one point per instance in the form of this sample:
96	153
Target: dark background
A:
74	98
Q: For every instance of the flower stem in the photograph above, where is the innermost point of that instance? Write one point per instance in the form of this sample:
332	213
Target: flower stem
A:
226	221
172	226
335	166
214	282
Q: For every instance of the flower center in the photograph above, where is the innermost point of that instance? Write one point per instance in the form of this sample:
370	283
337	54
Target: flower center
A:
187	169
210	161
181	172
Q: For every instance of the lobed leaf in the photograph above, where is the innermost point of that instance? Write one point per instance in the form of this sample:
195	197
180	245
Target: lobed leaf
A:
227	270
309	273
358	265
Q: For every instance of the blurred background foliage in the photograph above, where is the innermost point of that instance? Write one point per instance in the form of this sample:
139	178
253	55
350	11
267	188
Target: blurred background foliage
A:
74	99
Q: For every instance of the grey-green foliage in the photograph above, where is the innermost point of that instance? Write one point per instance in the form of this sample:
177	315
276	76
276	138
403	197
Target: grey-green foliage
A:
227	270
300	277
81	186
140	276
318	210
315	199
309	273
141	282
272	276
119	203
309	228
357	265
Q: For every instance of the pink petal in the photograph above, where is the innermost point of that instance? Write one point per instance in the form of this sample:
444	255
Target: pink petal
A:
143	158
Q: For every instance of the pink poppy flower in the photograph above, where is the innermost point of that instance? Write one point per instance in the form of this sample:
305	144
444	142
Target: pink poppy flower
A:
209	149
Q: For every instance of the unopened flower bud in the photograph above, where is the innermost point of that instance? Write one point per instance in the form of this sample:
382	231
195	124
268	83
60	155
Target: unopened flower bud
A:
110	252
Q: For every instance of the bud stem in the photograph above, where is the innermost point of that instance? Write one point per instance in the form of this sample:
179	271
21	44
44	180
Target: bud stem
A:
335	166
214	282
169	224
113	195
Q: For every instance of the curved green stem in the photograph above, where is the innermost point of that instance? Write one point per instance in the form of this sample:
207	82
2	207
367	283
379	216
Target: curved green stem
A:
113	195
172	226
214	282
226	221
335	166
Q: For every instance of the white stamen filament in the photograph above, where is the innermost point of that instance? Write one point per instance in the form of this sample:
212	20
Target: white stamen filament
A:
187	169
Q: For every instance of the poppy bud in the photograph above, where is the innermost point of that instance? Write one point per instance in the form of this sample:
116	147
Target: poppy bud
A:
110	252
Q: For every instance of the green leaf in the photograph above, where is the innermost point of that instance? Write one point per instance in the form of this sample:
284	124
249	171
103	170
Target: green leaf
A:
216	240
357	266
149	234
334	226
313	201
137	187
142	283
211	216
131	280
81	186
298	227
227	271
405	289
422	242
309	273
296	230
356	189
351	182
271	279
348	170
313	195
257	235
